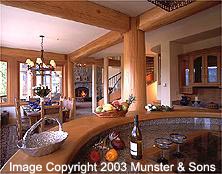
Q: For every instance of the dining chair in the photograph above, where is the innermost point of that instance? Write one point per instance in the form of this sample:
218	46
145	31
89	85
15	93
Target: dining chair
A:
54	111
72	108
22	123
32	99
69	104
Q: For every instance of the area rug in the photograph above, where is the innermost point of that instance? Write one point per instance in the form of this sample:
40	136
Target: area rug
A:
8	142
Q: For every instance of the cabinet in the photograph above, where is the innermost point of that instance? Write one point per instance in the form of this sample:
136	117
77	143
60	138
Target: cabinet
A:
200	68
212	68
197	70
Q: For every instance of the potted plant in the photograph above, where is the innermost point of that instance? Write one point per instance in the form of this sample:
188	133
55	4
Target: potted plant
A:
41	91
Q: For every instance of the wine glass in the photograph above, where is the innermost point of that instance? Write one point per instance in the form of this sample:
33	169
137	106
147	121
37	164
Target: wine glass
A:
163	144
178	139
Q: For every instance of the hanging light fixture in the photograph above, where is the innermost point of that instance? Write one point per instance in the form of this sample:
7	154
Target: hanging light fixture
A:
40	67
170	5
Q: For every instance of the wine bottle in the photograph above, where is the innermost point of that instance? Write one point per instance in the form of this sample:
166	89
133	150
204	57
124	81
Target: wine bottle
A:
136	141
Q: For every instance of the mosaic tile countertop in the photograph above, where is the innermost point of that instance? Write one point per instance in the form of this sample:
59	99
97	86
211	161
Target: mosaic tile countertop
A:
155	129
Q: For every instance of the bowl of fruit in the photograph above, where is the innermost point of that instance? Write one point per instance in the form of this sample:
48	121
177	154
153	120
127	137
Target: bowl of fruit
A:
115	109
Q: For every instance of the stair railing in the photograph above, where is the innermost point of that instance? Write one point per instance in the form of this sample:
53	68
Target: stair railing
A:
114	81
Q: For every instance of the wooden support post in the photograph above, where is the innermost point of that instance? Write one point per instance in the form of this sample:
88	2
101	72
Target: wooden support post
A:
106	80
134	66
71	87
94	88
64	80
122	75
50	87
70	79
32	79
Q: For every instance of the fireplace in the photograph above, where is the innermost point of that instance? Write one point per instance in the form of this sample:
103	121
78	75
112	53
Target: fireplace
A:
82	93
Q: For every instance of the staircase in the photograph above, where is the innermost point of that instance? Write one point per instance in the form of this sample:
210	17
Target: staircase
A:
114	82
114	88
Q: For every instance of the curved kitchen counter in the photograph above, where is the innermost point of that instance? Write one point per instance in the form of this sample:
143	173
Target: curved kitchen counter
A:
82	130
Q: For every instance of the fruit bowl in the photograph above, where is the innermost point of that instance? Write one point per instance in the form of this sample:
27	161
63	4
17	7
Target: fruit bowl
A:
111	114
114	109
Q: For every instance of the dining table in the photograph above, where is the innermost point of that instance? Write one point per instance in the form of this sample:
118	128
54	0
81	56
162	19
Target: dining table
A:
35	114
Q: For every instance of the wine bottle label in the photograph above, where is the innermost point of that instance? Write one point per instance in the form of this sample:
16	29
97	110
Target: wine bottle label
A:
133	148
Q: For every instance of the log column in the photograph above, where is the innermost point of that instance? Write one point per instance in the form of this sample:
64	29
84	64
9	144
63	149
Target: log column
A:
106	80
71	86
94	88
70	78
134	66
122	74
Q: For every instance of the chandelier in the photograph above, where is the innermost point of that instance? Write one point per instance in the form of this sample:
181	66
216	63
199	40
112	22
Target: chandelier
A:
170	5
39	67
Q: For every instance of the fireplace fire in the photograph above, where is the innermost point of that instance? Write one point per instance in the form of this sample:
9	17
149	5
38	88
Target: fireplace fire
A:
83	94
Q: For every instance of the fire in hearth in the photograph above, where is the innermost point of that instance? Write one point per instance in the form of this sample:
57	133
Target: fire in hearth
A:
83	94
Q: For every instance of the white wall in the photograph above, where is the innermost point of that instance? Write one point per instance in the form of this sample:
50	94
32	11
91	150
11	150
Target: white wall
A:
113	71
165	74
204	21
175	50
207	43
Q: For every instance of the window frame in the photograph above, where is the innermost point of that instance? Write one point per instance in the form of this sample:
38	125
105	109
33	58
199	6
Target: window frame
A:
7	87
34	80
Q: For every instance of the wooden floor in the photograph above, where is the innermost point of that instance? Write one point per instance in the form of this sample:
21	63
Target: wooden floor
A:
83	109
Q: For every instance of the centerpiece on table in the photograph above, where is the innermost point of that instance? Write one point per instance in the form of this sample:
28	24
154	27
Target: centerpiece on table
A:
41	91
115	109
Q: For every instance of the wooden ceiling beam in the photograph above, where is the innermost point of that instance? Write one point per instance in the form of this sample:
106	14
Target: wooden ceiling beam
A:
80	11
31	54
99	62
157	17
97	45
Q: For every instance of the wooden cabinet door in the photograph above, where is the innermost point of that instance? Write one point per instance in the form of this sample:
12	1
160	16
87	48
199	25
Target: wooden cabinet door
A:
197	70
212	74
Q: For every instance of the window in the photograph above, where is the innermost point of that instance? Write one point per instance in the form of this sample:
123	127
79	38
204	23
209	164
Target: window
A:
54	82
57	81
27	81
3	82
25	90
212	68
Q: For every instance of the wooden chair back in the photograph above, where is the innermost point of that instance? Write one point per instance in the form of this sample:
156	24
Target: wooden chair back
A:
31	99
69	104
18	118
54	111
